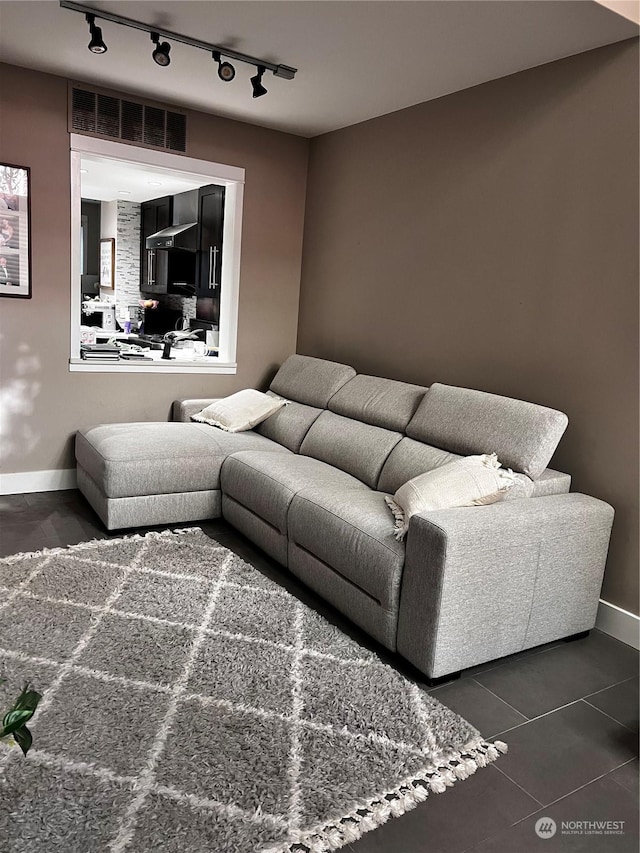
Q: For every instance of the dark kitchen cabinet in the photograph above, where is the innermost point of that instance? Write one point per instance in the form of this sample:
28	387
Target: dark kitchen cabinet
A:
155	215
210	224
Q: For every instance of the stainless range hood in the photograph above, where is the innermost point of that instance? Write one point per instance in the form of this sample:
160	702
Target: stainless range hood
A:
175	237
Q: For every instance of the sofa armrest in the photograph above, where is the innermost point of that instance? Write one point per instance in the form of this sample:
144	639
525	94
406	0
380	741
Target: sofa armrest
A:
480	583
181	410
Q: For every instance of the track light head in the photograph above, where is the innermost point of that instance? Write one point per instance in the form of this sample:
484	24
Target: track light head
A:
96	45
160	54
226	71
256	82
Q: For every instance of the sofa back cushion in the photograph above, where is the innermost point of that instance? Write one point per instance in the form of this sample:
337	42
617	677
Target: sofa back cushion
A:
359	449
407	460
380	402
311	381
290	424
463	421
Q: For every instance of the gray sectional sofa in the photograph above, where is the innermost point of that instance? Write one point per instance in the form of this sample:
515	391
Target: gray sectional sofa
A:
307	485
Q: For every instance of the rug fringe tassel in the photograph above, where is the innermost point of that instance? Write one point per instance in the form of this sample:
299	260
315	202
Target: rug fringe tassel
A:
404	797
91	543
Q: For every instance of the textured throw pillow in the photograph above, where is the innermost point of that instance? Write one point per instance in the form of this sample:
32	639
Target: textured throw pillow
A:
472	481
240	411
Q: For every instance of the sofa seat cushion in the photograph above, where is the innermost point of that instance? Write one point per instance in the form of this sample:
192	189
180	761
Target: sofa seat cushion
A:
266	483
127	460
352	532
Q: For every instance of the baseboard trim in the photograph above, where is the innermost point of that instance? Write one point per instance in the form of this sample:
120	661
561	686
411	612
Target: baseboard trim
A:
37	481
619	623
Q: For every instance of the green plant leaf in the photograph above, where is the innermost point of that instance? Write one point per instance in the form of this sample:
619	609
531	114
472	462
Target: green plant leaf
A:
27	700
23	738
14	720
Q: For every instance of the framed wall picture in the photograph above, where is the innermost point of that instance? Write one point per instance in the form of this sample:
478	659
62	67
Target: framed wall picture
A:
15	231
107	262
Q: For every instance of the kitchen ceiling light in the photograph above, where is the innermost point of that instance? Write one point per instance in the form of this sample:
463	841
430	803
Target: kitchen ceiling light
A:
96	45
155	183
161	52
226	71
256	82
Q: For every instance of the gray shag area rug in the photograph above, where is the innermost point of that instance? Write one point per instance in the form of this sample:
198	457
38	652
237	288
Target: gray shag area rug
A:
190	703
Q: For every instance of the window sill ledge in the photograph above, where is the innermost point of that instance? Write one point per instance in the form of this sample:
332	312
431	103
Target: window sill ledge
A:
80	365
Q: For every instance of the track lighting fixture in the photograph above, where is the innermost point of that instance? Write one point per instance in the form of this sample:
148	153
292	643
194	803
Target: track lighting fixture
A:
256	82
161	52
96	45
226	71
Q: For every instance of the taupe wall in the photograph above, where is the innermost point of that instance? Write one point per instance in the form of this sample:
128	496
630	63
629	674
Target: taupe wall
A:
490	239
42	403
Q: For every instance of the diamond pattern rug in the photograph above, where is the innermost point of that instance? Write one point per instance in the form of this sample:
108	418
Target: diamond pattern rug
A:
190	703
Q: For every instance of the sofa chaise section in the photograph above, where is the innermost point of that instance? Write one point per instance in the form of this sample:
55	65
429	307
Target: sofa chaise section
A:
143	474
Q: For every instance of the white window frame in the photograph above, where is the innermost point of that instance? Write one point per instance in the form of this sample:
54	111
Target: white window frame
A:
232	178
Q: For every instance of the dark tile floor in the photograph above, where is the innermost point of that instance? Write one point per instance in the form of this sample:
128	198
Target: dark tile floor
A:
568	711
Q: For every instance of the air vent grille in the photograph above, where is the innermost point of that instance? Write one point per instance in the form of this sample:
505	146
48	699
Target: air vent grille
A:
128	121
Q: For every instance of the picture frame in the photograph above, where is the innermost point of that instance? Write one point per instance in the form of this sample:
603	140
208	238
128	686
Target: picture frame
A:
15	231
107	262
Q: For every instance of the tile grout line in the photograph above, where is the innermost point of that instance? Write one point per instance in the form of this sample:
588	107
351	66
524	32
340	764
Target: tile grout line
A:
539	717
604	713
504	701
146	779
574	791
475	844
524	790
602	690
566	705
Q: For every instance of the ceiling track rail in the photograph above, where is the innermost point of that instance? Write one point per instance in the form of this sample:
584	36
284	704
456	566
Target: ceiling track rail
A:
279	70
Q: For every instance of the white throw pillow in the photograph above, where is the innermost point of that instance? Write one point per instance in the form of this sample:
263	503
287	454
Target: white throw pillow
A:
241	411
472	481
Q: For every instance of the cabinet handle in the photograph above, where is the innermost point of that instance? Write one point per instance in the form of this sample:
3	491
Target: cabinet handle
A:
213	254
150	268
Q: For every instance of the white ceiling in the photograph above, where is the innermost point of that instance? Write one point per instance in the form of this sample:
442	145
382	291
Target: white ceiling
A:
108	180
357	59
